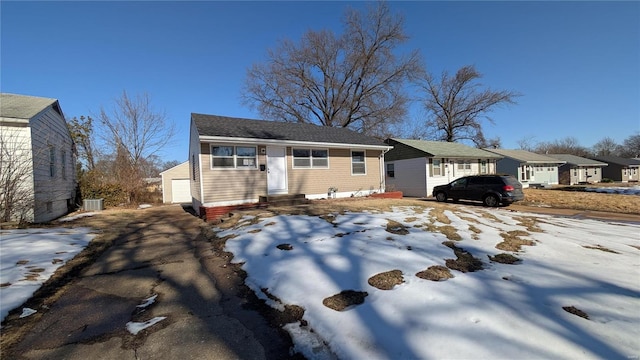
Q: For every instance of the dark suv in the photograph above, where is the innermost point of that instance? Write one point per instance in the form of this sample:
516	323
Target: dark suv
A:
492	190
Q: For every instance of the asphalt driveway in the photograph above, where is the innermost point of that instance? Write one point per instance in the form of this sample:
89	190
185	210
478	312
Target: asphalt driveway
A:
165	252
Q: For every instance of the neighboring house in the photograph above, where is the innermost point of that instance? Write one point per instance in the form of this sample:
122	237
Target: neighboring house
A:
237	161
38	159
529	168
416	166
620	169
578	170
175	184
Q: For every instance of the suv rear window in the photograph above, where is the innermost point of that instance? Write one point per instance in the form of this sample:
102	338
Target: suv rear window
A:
510	180
476	181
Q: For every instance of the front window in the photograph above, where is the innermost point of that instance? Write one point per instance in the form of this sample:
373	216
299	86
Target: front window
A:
436	167
246	157
358	165
310	158
231	157
483	167
525	173
391	170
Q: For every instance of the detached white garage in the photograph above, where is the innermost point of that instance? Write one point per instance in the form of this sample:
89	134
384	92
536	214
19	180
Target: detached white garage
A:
175	184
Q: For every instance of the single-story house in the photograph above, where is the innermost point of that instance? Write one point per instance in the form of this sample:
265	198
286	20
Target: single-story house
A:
234	161
37	170
578	170
176	187
416	166
620	169
529	168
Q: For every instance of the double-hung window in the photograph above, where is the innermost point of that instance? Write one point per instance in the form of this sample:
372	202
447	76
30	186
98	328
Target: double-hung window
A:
234	157
358	165
310	158
436	167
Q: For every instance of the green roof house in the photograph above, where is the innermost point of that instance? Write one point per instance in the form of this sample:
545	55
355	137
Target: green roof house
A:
531	169
416	166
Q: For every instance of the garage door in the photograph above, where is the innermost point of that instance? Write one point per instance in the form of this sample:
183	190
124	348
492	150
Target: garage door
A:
180	191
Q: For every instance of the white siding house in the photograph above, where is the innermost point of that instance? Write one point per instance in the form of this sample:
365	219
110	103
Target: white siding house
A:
415	167
529	168
39	154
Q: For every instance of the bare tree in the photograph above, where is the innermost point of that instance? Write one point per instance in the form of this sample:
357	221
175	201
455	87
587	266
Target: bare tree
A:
527	143
133	124
135	133
631	147
16	195
568	145
457	104
350	80
606	147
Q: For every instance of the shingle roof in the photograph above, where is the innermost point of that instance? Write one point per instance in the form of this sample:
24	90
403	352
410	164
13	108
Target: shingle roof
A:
577	160
223	126
618	160
526	156
24	107
448	149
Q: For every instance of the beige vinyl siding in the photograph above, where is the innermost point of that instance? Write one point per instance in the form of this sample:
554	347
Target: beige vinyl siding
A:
338	175
51	193
232	186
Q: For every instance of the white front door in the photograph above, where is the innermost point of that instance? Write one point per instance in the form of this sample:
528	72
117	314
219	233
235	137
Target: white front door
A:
276	170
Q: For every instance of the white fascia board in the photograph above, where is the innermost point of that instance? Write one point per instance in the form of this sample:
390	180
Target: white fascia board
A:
13	121
235	140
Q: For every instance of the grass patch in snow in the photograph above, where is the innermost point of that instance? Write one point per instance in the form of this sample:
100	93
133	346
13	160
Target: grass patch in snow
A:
345	299
504	258
386	280
530	222
513	242
601	248
397	228
438	215
435	273
465	262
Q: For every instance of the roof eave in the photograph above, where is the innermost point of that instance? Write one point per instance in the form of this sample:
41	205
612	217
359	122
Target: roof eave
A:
232	140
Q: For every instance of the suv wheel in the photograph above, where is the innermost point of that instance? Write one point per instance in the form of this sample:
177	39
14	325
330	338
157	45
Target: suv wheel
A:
441	197
491	200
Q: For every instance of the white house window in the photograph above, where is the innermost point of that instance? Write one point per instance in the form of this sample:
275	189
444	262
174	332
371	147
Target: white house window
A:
358	165
63	156
464	165
436	167
525	173
483	167
246	157
391	170
230	157
52	161
310	158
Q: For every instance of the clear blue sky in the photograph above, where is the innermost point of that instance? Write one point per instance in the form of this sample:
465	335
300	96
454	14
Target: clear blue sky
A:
577	64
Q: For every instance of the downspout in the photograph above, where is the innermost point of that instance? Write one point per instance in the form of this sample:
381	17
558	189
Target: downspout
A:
383	182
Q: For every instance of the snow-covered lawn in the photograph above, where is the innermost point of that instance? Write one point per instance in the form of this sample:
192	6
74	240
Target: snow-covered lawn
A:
28	257
500	312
